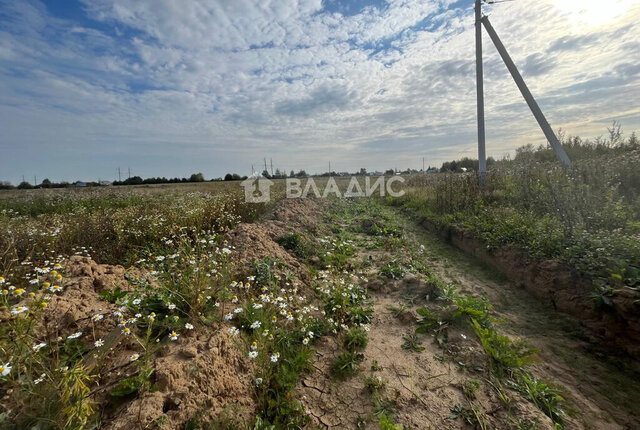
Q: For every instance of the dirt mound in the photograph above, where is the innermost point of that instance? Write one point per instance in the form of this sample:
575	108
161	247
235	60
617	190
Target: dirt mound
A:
200	377
72	311
251	242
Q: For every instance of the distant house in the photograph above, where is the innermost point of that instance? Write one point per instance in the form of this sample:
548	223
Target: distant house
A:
106	183
432	170
81	184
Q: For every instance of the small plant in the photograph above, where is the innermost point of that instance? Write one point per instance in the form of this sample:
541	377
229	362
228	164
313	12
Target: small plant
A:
470	387
346	364
468	415
355	339
412	343
427	321
374	384
295	243
397	310
386	423
545	396
476	309
393	270
504	353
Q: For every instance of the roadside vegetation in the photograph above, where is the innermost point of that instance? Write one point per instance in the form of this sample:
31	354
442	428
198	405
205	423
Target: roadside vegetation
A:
586	217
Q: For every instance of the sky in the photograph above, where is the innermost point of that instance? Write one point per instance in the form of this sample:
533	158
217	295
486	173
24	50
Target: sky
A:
172	87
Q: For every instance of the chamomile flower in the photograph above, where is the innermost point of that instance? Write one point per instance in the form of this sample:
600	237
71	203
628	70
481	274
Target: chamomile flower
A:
40	379
75	335
55	289
255	324
136	301
234	331
171	306
19	309
274	357
305	341
228	316
18	292
37	347
173	336
252	354
134	357
98	343
5	369
97	317
188	326
126	331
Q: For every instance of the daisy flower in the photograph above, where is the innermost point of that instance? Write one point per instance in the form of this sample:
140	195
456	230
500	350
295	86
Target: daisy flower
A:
98	343
5	369
39	346
19	309
40	379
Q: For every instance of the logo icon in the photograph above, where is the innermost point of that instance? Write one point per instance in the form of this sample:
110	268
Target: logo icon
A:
257	189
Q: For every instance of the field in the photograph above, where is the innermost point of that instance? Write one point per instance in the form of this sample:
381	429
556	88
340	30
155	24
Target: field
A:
183	307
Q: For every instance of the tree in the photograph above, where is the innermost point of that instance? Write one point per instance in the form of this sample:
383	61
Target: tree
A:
265	173
46	183
228	177
196	177
363	171
24	185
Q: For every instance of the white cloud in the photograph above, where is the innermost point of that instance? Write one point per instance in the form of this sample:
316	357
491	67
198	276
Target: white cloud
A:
233	81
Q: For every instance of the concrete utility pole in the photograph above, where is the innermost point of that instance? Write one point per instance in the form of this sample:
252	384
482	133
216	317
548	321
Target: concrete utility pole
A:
482	157
535	109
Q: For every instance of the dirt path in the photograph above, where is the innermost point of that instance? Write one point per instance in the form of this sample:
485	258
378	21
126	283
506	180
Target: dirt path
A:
428	381
600	385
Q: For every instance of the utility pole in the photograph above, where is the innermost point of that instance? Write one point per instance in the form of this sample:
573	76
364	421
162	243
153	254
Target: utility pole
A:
271	162
329	168
265	164
129	172
35	180
252	170
482	160
119	178
422	164
535	109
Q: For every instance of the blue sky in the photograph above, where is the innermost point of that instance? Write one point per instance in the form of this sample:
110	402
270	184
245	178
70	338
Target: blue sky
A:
171	87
